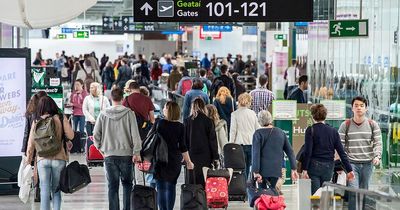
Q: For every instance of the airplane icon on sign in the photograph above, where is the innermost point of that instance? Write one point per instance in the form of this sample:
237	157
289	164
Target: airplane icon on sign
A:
164	8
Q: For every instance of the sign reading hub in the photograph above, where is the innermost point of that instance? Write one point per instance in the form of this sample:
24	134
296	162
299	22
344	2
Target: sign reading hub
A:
223	10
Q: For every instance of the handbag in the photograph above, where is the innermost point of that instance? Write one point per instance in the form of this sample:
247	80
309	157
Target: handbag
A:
268	202
74	177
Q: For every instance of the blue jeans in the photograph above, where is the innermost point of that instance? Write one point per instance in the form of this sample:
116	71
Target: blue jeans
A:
79	120
49	175
247	158
166	193
119	167
319	172
362	172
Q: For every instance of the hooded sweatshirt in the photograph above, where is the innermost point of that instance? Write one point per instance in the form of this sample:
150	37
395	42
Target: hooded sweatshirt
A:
116	132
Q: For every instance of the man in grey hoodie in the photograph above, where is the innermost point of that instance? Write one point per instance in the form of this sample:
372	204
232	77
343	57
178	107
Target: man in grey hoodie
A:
117	137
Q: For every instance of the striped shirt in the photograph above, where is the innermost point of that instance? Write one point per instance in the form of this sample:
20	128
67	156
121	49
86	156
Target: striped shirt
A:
362	146
262	99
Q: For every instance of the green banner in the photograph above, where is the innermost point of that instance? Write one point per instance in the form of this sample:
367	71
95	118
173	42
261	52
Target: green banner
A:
56	93
348	28
38	75
287	127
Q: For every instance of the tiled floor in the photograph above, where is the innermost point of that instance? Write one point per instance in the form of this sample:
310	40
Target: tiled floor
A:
94	197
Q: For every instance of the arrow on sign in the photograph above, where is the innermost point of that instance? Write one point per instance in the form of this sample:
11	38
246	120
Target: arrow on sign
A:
146	7
351	29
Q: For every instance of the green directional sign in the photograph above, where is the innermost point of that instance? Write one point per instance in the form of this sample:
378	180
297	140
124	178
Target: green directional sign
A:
61	36
280	37
348	28
81	34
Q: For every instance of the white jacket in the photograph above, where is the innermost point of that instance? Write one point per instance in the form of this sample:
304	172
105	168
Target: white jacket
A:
88	106
221	129
244	123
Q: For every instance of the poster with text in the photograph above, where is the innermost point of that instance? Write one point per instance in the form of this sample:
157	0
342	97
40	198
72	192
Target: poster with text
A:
12	105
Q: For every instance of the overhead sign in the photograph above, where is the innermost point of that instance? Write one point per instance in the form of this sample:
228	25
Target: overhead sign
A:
81	34
61	36
280	37
222	28
223	10
348	28
209	35
68	30
126	24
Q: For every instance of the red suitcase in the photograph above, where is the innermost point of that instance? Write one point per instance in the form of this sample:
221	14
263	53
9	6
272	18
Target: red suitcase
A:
268	202
217	192
93	155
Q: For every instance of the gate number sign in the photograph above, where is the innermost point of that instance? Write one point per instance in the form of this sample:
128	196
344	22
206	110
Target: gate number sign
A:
223	10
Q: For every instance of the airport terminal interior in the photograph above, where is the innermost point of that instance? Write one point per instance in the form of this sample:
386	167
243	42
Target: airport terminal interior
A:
200	104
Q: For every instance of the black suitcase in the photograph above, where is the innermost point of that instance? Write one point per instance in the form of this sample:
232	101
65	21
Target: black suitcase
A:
77	146
237	187
143	197
193	197
234	157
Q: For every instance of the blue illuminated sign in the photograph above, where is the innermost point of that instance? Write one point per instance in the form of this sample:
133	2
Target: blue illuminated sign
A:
301	24
68	30
221	28
172	32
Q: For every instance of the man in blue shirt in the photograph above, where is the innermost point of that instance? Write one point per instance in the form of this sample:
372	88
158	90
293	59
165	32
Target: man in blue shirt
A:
298	93
205	63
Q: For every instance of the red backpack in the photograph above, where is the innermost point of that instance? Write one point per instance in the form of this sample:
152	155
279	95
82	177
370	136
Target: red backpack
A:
186	86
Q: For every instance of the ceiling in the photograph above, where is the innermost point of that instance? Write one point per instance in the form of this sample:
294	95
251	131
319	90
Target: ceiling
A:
108	8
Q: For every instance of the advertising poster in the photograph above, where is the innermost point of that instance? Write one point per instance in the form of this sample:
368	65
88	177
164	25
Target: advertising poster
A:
284	110
12	105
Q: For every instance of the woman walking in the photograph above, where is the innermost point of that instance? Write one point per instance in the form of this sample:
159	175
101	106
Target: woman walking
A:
167	175
200	139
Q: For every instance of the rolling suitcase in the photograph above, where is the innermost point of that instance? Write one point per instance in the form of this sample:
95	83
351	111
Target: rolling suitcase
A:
93	155
217	181
193	196
234	157
237	187
143	197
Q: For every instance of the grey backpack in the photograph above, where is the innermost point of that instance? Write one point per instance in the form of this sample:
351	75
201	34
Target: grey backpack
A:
46	142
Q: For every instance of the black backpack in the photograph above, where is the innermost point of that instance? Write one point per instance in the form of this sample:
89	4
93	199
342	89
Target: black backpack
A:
217	84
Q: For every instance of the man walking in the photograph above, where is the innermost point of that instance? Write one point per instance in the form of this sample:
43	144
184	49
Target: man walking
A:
116	135
362	142
298	93
262	97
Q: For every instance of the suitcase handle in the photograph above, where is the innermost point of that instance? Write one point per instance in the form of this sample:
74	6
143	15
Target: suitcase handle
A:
187	179
134	177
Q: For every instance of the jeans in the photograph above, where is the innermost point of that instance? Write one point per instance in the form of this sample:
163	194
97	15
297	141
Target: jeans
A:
362	172
247	157
166	193
89	128
319	172
79	121
119	167
49	175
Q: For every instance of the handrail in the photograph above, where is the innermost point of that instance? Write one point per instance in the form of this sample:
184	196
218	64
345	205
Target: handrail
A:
378	195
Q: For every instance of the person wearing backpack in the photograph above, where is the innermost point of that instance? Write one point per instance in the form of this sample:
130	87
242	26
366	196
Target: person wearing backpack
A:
89	73
167	174
93	104
223	80
321	142
116	135
185	84
49	133
143	108
206	82
362	142
193	94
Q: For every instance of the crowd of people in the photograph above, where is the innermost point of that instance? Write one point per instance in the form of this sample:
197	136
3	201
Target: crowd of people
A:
215	111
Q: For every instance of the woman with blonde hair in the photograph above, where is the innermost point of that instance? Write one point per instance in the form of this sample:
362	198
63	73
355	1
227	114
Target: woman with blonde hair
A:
244	123
221	129
93	104
128	91
225	104
200	139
